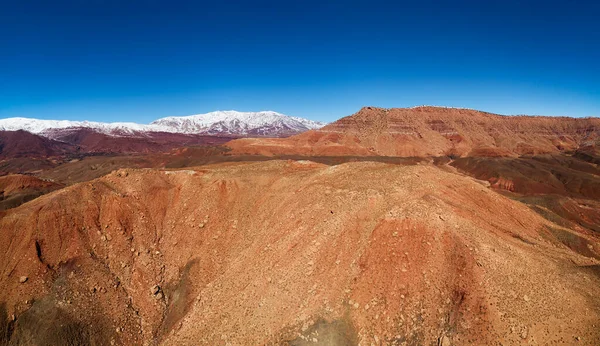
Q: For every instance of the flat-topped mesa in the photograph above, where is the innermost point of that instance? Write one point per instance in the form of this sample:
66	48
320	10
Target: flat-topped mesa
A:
434	131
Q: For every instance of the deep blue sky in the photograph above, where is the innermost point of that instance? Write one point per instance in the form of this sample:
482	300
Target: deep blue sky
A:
140	60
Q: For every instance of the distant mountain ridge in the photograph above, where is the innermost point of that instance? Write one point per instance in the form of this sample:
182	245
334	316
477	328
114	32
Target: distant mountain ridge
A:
427	131
229	123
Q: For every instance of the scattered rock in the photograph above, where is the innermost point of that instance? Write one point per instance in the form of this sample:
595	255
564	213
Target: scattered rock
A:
444	341
23	279
155	289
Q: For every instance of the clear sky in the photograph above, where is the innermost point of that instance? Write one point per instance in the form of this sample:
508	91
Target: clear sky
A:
141	60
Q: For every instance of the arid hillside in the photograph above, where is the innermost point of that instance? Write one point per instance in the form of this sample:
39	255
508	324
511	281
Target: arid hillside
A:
80	142
433	131
293	252
17	189
20	144
92	142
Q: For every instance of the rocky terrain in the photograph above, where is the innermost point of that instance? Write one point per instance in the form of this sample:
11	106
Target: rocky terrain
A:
356	234
293	252
433	131
17	189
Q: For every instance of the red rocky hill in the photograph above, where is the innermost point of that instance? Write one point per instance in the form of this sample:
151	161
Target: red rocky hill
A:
433	131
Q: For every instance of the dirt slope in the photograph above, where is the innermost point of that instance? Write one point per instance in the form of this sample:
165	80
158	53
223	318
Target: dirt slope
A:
432	131
17	189
292	252
564	189
548	174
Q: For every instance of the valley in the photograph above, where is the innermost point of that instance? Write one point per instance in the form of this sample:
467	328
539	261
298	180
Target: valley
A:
416	226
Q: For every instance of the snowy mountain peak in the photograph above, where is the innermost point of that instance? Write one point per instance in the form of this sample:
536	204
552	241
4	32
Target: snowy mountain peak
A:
40	126
265	123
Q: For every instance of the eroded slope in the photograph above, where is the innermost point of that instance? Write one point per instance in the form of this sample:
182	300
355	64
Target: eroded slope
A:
433	131
292	252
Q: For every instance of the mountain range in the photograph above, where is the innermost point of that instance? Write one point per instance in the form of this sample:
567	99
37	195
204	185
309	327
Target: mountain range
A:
391	226
228	123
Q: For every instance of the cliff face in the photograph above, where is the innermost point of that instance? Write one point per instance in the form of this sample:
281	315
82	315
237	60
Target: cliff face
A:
434	131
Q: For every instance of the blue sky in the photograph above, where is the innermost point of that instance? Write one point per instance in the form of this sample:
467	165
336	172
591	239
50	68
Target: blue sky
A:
141	60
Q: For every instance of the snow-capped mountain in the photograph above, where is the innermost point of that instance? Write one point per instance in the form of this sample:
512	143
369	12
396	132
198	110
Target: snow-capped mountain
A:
264	123
47	127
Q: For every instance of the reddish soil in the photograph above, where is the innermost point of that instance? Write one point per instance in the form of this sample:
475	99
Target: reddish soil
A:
89	141
17	144
24	153
18	189
563	189
553	174
84	142
432	131
27	165
424	226
293	252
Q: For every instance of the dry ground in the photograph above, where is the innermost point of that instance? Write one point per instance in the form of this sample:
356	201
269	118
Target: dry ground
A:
293	252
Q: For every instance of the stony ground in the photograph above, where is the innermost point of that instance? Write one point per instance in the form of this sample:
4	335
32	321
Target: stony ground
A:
292	252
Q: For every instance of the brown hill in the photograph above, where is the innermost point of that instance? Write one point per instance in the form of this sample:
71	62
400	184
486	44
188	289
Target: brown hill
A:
17	189
293	252
564	189
547	174
17	144
90	141
432	131
79	142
